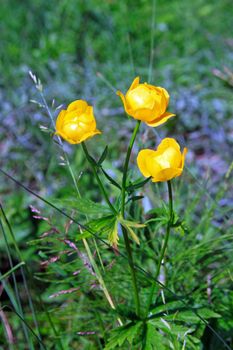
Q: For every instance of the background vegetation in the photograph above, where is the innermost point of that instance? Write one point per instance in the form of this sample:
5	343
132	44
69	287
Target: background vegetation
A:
87	49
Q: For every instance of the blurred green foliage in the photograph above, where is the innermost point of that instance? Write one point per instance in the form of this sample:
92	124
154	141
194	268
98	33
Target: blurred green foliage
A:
36	33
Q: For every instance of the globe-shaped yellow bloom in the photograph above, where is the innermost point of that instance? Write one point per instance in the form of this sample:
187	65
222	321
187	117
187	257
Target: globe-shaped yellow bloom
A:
163	164
76	123
147	103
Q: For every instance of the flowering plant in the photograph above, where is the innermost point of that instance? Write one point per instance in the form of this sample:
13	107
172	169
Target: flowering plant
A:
146	103
143	318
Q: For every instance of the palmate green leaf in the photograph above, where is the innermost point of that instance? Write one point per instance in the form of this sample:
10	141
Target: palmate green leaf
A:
153	339
207	313
127	333
175	311
171	327
171	306
188	316
85	206
174	320
163	333
101	226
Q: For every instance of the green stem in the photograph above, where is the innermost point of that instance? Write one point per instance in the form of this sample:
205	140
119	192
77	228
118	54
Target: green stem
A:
90	256
132	270
169	224
126	165
102	189
125	234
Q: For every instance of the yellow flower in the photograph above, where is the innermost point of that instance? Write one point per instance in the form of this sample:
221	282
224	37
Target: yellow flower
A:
76	123
147	103
163	164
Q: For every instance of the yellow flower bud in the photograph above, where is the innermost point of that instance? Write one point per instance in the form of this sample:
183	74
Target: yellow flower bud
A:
163	164
147	103
76	123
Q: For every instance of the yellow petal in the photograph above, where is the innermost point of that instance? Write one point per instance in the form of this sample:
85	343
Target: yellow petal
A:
166	174
86	118
142	98
134	84
71	117
169	158
90	111
78	139
168	142
142	157
65	137
143	114
164	100
151	163
166	95
162	119
60	120
79	105
89	135
73	130
127	109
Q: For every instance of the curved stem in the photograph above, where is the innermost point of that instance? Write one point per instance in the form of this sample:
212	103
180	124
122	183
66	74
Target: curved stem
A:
98	179
169	224
125	234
